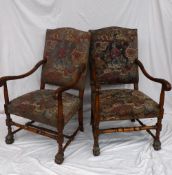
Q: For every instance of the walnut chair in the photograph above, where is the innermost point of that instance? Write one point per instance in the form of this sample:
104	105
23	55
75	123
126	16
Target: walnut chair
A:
65	65
113	61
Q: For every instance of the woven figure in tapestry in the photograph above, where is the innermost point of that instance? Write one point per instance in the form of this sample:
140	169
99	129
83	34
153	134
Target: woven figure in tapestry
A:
65	65
114	61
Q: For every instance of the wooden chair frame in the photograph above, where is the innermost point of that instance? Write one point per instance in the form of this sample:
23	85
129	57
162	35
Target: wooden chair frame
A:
59	136
95	117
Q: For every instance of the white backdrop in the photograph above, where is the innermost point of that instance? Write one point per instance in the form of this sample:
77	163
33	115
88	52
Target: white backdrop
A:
24	22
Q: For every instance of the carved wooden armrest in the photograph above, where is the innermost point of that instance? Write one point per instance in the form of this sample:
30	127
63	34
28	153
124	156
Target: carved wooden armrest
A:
3	80
165	84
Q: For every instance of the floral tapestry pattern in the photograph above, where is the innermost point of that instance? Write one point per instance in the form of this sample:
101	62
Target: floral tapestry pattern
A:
120	104
113	54
41	106
65	50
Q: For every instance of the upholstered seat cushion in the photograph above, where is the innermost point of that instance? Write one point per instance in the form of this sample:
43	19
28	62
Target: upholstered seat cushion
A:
120	104
41	106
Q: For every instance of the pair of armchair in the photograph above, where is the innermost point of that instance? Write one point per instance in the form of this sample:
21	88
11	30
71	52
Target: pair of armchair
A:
113	60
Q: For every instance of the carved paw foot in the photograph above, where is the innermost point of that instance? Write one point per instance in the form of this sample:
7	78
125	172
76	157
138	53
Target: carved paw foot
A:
96	151
157	145
9	139
59	158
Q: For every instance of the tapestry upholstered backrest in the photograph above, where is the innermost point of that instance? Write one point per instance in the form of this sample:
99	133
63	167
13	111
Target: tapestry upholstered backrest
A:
113	54
65	50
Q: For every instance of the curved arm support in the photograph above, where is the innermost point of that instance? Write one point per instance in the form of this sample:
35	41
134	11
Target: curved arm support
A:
3	80
165	84
60	90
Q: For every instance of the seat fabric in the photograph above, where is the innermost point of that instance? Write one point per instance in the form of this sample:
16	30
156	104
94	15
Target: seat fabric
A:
41	106
122	104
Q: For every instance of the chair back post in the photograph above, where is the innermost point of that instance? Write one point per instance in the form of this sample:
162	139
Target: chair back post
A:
136	86
81	94
42	84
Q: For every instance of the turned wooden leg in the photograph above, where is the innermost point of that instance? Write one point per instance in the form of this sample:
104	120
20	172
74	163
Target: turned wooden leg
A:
80	113
91	121
80	119
157	143
96	149
9	138
59	158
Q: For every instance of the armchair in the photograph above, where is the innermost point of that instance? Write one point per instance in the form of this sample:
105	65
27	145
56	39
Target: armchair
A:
114	60
65	65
